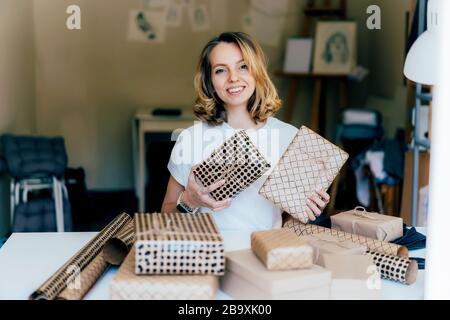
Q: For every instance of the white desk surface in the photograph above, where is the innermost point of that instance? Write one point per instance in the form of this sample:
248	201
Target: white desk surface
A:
28	259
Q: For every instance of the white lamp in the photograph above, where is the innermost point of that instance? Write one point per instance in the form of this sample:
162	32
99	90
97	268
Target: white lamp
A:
431	50
420	61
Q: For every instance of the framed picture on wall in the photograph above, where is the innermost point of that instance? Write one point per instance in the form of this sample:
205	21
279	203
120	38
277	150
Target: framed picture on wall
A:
335	47
298	55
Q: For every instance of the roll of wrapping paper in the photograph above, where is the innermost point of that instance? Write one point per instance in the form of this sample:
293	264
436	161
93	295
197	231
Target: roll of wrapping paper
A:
78	263
117	248
372	244
394	268
78	286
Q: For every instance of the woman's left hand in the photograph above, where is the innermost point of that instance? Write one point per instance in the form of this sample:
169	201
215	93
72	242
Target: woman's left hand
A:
316	203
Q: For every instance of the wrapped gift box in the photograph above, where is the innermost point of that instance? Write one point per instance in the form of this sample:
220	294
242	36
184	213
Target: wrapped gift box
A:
176	243
354	277
238	161
281	249
248	278
126	285
309	163
369	224
325	243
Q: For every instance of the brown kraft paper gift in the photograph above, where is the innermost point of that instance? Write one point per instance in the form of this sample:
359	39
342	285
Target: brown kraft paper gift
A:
281	249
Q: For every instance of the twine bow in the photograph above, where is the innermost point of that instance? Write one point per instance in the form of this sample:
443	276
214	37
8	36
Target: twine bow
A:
169	229
361	212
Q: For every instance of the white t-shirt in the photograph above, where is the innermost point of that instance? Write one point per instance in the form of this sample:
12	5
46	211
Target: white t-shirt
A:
248	211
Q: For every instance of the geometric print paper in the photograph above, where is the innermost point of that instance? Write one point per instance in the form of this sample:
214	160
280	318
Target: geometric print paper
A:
237	161
310	163
388	248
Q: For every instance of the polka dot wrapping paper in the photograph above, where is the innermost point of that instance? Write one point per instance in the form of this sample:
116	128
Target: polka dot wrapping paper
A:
394	268
178	243
309	163
238	161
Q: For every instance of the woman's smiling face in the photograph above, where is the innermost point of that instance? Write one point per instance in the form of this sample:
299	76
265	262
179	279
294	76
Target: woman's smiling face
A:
231	78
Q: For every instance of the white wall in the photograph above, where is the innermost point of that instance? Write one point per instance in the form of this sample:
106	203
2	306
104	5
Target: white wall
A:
17	96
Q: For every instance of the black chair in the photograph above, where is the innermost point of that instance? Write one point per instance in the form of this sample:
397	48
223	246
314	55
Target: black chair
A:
358	131
36	166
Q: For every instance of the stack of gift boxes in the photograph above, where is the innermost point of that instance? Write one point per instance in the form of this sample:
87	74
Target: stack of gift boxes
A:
175	257
181	256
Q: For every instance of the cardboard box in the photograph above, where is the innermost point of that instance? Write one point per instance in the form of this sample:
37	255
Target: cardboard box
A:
126	285
325	243
244	265
354	277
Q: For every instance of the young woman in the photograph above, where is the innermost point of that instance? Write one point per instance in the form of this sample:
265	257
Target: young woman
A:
234	93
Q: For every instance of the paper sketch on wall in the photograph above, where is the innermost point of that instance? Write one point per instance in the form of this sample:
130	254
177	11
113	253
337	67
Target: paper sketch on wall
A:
174	15
148	26
153	4
265	20
335	47
199	18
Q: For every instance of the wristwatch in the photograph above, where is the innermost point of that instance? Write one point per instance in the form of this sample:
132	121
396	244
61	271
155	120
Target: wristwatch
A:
183	207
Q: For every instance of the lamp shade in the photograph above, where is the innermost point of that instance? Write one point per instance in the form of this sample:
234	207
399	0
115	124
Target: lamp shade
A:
419	64
420	61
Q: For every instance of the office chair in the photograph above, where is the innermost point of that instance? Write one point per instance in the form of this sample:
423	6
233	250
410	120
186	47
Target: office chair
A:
36	164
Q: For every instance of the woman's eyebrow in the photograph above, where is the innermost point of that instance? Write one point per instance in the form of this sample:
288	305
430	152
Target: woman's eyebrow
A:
225	65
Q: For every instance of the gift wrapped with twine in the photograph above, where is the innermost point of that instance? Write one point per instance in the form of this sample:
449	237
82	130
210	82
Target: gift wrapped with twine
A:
176	243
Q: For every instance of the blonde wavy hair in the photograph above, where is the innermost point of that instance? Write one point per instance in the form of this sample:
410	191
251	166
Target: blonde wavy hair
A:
262	104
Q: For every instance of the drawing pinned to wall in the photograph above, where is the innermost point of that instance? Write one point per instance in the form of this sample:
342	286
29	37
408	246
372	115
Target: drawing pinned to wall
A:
174	15
154	4
148	26
335	47
199	17
265	20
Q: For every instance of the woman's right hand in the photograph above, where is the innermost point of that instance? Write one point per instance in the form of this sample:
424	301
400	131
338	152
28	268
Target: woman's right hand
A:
196	195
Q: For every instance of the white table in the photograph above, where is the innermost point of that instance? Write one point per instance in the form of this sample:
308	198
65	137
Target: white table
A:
142	123
28	259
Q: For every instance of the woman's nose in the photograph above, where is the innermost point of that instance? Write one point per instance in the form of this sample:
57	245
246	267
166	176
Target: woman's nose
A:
233	76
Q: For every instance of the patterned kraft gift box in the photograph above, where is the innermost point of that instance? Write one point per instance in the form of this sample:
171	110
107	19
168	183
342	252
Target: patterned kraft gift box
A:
281	249
126	285
369	224
310	163
325	243
354	277
238	161
247	278
177	243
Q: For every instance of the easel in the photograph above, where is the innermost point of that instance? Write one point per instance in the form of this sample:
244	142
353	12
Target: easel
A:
312	12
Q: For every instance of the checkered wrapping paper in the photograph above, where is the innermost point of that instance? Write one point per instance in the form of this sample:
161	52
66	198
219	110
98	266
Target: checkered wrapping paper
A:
238	161
309	163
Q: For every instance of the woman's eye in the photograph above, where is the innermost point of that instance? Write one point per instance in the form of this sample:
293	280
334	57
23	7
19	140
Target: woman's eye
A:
218	71
244	67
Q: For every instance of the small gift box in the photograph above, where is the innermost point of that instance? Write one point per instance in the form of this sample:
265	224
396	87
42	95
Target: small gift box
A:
247	278
310	163
354	277
325	243
176	243
126	285
369	224
238	161
281	249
